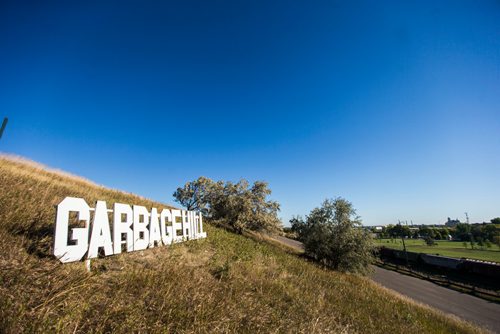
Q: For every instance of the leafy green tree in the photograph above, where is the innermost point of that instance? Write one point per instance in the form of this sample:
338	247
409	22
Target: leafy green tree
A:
398	231
238	206
389	231
195	195
462	232
476	231
427	232
495	220
438	234
489	232
332	235
297	224
402	230
246	208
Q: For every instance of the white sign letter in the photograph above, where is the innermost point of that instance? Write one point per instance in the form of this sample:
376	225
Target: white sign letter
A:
63	251
101	235
176	225
141	227
121	226
154	229
166	231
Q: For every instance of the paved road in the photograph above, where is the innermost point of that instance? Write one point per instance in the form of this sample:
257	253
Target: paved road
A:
290	242
465	306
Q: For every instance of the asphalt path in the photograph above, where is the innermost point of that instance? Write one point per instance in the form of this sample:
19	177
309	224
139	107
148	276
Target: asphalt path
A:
473	309
290	242
477	310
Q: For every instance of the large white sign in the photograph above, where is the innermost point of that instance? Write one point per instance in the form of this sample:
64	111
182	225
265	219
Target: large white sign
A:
133	228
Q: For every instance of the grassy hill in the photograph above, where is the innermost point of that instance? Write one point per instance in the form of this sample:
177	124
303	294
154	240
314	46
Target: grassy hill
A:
225	283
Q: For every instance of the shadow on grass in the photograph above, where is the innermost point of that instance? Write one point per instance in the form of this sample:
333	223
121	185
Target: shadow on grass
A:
38	237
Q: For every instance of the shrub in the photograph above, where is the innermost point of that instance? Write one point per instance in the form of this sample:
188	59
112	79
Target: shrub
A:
430	241
332	234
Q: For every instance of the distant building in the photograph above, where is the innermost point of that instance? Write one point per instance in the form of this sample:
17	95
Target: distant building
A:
452	222
375	231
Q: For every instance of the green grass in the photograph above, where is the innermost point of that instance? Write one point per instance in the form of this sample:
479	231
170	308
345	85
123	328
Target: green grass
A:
445	248
226	283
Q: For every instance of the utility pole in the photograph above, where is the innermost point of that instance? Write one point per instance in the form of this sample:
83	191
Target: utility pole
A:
470	233
4	124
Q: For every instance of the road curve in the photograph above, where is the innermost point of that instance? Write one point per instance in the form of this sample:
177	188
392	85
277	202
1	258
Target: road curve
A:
473	309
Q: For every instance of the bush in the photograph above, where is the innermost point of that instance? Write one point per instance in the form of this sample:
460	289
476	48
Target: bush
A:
332	234
430	241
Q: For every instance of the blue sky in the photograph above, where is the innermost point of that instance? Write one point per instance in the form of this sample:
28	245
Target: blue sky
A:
392	105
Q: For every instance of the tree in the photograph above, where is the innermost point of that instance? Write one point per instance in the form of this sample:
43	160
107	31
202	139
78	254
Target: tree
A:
332	235
462	232
389	230
495	220
297	224
398	231
489	231
401	231
243	208
235	205
195	195
438	234
476	231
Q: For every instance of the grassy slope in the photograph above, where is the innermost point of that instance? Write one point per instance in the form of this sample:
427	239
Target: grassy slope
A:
225	283
445	248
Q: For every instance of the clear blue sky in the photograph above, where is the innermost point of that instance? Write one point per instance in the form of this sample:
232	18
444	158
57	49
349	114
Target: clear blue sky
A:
392	105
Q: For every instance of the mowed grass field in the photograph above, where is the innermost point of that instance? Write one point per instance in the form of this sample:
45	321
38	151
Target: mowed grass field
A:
444	248
226	283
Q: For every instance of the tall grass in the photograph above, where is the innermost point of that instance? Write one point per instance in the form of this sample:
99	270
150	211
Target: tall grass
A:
225	283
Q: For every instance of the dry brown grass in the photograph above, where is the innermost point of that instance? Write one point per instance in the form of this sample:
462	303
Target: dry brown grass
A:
224	284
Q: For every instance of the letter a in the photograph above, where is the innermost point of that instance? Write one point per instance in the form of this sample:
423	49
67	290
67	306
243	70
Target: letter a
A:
101	235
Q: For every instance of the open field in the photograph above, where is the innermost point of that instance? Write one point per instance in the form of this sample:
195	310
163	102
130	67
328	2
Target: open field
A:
225	283
444	248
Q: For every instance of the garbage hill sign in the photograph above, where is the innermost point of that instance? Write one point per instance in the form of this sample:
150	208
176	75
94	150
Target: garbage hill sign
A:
125	227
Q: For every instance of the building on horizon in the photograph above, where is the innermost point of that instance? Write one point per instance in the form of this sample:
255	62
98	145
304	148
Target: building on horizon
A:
452	222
